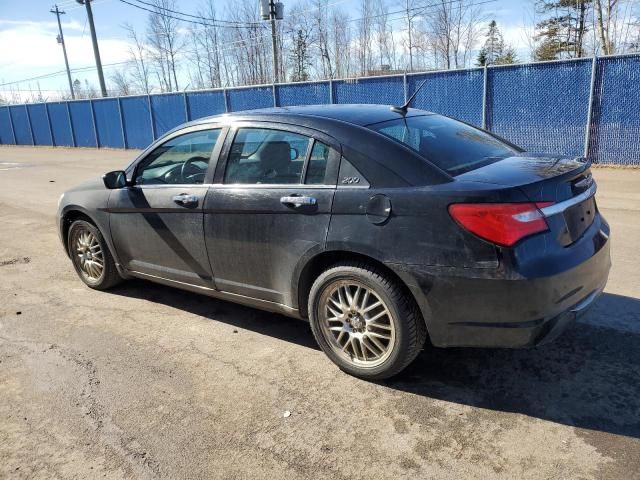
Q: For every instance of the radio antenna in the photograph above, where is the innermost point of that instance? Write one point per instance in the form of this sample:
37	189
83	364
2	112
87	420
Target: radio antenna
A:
404	108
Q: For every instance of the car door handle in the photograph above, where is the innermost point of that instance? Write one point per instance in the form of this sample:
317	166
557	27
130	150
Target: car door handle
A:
298	201
186	200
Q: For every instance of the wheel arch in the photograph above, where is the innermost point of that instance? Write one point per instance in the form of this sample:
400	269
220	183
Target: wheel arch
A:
70	215
324	260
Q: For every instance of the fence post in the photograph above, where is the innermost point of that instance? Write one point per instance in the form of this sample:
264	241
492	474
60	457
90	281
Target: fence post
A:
151	118
186	107
226	100
331	99
73	134
53	140
93	119
33	140
484	97
124	135
275	97
13	130
592	85
405	86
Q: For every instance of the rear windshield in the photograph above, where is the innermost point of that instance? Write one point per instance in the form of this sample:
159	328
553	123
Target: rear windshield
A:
451	145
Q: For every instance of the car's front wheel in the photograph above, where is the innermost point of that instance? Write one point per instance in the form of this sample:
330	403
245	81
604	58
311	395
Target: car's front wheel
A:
365	321
91	256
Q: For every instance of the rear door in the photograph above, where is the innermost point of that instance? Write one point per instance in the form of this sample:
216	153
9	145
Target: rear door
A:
157	222
269	208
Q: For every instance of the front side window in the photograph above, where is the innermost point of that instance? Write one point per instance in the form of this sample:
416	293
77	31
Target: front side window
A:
181	160
267	157
451	145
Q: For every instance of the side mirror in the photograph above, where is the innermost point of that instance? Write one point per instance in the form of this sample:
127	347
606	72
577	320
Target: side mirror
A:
115	179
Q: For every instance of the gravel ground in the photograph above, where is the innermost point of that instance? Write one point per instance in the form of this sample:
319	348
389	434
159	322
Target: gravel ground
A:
150	382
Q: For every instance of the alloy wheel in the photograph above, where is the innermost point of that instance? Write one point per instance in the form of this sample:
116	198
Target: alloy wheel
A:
89	255
357	323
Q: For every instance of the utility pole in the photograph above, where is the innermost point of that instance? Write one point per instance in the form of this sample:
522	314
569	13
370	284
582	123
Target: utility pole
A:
59	12
274	40
94	39
272	10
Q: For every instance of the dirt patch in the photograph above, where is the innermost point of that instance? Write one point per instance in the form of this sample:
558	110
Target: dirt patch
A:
15	261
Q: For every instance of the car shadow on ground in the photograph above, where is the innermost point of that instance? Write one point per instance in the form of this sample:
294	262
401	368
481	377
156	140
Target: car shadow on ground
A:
588	378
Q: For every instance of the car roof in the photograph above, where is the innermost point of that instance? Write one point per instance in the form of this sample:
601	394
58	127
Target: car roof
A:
356	114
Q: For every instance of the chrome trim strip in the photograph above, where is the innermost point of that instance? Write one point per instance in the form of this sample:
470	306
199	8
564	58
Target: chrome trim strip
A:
562	206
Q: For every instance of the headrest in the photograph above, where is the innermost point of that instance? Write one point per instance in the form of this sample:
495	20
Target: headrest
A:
276	156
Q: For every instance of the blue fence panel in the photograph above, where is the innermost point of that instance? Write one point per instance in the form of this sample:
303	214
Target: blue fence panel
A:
6	134
615	135
40	124
169	111
108	123
82	121
60	124
303	94
385	90
21	125
250	98
137	121
457	94
541	107
203	104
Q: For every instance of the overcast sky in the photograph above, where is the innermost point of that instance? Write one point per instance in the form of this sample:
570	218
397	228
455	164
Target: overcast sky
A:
28	32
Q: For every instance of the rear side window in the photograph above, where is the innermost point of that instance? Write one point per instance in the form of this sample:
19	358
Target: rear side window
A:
317	164
451	145
267	157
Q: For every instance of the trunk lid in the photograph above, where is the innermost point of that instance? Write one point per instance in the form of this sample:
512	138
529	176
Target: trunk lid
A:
567	182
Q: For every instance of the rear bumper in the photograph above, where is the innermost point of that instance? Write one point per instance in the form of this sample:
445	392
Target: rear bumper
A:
479	308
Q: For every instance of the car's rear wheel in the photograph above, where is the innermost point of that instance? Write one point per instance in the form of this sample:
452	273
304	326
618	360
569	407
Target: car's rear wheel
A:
365	321
91	256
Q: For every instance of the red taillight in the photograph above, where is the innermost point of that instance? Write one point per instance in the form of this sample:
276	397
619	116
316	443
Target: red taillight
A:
500	223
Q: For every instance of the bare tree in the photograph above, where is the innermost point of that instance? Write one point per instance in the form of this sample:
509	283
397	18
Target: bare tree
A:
365	37
453	30
321	16
139	58
411	13
604	16
165	41
385	41
120	81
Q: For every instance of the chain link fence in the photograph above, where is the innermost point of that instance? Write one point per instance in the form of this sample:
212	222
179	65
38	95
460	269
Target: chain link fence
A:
576	107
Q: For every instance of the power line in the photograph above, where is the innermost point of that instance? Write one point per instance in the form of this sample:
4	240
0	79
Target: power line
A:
55	74
182	19
195	16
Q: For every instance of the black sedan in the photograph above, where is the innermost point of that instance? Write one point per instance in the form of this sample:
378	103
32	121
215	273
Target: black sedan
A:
380	226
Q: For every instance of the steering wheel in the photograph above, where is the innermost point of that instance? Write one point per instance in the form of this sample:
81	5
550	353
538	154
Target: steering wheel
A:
188	177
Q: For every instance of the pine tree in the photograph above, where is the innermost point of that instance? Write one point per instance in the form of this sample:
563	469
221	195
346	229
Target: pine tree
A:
495	51
300	56
561	34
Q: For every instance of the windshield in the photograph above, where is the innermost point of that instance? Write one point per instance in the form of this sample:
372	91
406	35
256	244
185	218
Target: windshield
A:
451	145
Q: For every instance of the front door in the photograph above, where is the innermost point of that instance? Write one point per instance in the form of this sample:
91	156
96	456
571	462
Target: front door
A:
157	223
269	209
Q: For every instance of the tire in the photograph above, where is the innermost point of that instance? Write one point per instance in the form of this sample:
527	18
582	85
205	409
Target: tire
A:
91	256
364	340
